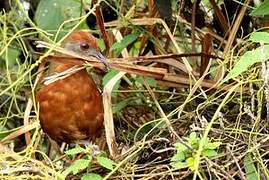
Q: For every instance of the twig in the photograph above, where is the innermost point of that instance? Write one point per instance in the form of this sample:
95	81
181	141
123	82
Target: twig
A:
168	123
242	176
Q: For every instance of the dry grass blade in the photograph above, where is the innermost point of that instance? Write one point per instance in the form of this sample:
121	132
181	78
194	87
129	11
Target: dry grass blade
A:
231	39
26	120
235	27
221	19
126	65
20	131
108	115
42	44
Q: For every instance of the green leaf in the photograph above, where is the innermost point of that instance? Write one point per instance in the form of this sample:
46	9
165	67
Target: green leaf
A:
179	165
135	49
193	139
259	37
262	9
50	14
120	105
75	150
251	171
180	147
4	132
10	55
137	45
193	136
119	46
111	73
212	145
209	153
109	76
179	156
190	162
151	81
77	166
247	60
91	176
105	162
101	44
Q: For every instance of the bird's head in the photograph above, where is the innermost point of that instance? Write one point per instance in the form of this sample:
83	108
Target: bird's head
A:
84	44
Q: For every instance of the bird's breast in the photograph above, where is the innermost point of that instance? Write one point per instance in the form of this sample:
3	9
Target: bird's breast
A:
71	108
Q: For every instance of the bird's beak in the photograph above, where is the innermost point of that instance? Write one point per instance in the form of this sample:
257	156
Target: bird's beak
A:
98	55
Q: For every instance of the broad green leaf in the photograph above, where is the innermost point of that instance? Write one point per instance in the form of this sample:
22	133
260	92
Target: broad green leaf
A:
193	137
259	37
249	166
180	147
75	150
262	9
111	73
247	60
91	176
209	152
10	55
193	140
105	162
50	14
77	166
212	145
119	46
179	165
179	156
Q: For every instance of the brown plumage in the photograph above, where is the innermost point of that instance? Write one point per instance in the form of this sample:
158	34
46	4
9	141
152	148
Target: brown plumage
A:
71	108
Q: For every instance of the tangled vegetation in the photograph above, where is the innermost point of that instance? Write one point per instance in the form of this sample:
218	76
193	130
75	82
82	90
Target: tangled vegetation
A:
190	99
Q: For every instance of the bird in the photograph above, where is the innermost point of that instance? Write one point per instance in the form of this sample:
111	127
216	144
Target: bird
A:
70	103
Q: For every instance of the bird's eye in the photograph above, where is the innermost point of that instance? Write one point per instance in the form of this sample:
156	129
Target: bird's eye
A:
84	46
